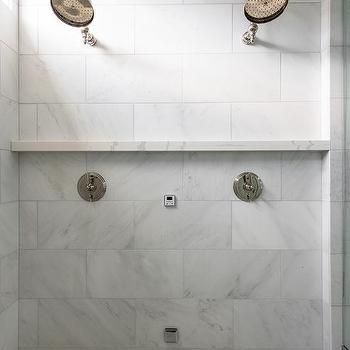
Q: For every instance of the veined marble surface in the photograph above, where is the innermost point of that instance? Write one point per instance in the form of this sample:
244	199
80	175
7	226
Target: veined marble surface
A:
161	146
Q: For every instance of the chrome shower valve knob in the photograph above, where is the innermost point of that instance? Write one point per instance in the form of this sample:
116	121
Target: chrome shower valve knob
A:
91	187
248	186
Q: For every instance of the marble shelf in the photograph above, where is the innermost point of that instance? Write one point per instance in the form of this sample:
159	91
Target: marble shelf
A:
164	146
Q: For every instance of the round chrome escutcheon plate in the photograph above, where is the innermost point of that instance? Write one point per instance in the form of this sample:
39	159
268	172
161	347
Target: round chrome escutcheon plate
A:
248	186
92	187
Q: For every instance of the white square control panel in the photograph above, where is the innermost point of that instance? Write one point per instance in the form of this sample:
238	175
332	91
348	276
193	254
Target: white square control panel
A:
170	201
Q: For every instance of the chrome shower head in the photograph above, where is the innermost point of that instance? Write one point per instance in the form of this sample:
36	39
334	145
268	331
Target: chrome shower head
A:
76	13
261	11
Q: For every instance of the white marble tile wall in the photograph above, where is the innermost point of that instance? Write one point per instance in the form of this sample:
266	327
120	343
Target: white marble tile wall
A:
9	235
115	273
170	70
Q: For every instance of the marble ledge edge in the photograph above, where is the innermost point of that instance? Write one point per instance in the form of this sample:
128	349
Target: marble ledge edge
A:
169	146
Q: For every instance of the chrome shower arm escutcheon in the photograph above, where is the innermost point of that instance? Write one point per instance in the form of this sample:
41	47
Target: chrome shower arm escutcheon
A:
250	35
88	38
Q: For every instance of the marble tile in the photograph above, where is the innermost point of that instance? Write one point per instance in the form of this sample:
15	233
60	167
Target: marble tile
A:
134	274
298	30
139	175
8	228
86	323
183	29
8	280
201	323
196	225
64	170
346	278
338	181
127	78
28	122
224	78
227	274
301	176
338	73
28	225
9	72
278	324
179	122
337	227
9	23
337	122
338	277
209	176
52	274
276	225
300	77
82	225
9	176
337	327
9	328
346	322
301	276
50	79
85	122
28	29
9	122
276	121
28	323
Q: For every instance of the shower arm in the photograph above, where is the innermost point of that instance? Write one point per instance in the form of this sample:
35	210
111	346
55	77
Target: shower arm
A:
250	35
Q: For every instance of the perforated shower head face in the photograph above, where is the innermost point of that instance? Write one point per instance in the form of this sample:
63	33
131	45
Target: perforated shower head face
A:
263	11
76	13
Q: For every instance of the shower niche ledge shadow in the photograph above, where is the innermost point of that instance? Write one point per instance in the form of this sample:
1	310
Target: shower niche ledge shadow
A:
169	146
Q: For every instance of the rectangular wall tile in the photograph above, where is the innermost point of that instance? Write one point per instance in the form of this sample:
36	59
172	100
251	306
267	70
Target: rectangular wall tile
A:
127	274
8	280
301	176
28	323
28	122
81	225
196	225
300	77
179	122
139	175
224	78
28	224
201	323
276	225
49	78
86	323
301	274
85	122
9	72
52	274
64	171
9	328
9	176
177	29
278	324
225	274
276	121
8	228
142	78
9	122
